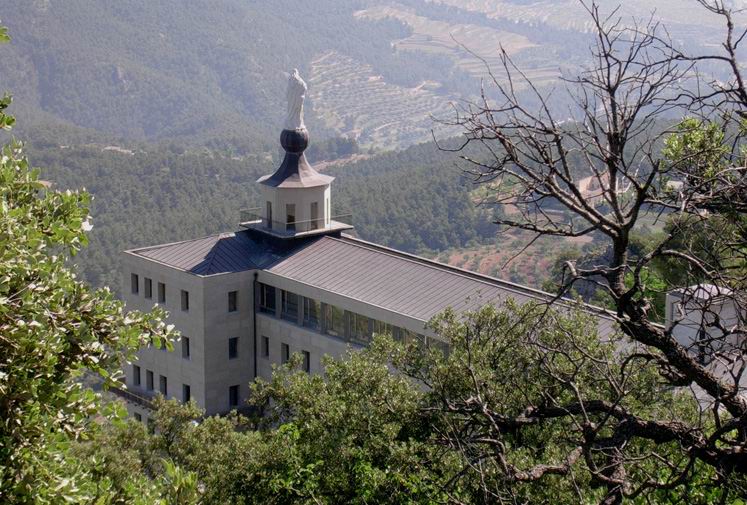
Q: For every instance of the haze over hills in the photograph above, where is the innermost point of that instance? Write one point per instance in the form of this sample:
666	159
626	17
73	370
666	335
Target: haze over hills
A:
201	70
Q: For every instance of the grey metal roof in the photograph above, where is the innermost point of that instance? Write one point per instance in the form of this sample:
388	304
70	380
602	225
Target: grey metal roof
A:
217	254
392	280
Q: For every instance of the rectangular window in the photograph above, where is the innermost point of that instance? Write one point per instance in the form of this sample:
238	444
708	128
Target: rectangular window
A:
285	353
185	347
148	288
135	283
269	215
162	385
381	328
233	301
267	299
307	361
289	306
161	292
233	396
136	375
138	417
359	328
314	215
233	348
290	217
185	300
149	380
186	393
408	336
311	312
266	347
334	321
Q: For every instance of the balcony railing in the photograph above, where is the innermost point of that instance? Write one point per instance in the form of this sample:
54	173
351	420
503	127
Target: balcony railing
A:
252	218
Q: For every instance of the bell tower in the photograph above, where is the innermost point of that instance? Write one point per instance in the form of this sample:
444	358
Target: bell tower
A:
296	199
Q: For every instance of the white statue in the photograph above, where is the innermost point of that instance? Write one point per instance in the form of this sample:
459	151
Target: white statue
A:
296	94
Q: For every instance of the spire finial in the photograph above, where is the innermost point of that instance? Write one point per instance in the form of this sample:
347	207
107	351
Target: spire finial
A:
296	95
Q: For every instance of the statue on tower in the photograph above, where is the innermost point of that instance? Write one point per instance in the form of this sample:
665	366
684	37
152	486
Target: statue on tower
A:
296	95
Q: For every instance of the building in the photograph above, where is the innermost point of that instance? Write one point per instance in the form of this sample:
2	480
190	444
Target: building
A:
292	280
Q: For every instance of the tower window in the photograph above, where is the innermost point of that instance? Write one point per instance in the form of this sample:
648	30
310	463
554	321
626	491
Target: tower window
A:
290	213
314	215
268	215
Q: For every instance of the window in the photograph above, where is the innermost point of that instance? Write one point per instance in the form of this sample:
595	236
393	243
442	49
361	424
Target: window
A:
233	348
269	215
149	380
185	347
285	353
334	321
266	299
289	306
186	393
135	283
307	361
381	328
290	213
233	301
136	375
138	417
162	385
266	347
148	288
161	292
233	396
359	329
407	336
185	300
314	215
311	311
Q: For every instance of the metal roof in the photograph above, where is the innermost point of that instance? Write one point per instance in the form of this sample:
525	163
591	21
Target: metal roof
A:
218	254
393	280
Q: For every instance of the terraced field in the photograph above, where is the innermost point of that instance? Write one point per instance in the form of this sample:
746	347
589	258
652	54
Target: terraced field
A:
355	101
466	44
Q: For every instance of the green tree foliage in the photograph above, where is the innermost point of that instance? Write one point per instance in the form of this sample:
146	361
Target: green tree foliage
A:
53	330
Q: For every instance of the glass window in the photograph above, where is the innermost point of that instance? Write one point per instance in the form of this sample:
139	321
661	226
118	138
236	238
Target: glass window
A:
269	215
185	347
233	396
290	220
136	375
382	328
161	292
311	312
408	336
185	300
233	301
284	353
233	348
359	328
289	306
307	361
148	288
334	321
135	283
266	347
162	385
149	380
138	417
314	215
266	299
186	393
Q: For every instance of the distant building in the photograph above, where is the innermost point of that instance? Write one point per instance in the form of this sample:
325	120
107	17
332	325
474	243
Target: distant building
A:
291	280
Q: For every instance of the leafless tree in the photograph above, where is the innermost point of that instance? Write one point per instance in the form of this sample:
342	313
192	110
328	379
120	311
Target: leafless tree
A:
621	138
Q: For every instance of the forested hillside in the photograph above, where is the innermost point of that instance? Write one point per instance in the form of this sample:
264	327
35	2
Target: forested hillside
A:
415	200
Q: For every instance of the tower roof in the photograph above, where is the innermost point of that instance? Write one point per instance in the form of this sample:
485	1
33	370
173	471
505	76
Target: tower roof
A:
295	171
